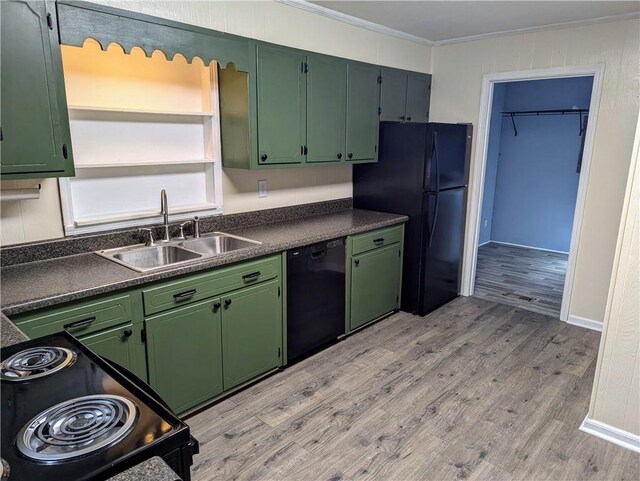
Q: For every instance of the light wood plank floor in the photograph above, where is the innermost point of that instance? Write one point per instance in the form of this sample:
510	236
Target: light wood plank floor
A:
476	390
528	278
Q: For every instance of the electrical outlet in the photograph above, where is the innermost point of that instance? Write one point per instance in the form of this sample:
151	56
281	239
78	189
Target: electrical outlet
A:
262	188
486	222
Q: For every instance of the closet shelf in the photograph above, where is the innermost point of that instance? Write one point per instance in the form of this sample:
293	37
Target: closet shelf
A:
535	113
159	113
156	163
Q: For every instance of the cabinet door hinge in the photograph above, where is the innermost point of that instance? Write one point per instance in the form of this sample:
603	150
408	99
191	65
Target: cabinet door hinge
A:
399	253
49	21
278	291
379	79
375	148
143	335
279	353
305	150
379	110
304	67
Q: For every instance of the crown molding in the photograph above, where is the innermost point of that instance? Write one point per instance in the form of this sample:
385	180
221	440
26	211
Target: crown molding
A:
375	27
351	20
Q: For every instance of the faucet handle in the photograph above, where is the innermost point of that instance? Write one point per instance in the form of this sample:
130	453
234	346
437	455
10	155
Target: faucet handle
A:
150	241
196	227
181	236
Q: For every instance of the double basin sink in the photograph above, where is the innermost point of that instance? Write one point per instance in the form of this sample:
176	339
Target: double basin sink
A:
177	252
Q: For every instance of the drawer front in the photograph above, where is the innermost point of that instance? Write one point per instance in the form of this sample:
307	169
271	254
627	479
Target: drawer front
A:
79	319
203	286
378	238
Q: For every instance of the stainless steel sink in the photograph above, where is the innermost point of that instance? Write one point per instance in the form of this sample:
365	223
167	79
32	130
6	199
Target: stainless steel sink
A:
218	243
148	258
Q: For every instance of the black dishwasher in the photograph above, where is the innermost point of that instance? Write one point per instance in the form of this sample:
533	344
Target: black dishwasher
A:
315	296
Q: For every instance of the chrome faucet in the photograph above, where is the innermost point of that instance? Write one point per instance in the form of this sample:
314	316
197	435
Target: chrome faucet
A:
164	210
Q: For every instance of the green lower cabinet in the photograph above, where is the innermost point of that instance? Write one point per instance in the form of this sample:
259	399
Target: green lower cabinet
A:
184	354
119	345
375	282
251	332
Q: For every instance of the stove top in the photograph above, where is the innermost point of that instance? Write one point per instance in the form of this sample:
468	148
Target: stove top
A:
68	414
36	362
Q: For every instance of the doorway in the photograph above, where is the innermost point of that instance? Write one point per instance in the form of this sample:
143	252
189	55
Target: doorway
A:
528	178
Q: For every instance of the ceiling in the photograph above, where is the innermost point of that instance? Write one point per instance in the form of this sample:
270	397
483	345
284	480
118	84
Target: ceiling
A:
439	22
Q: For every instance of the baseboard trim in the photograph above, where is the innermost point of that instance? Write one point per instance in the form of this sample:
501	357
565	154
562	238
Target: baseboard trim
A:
485	243
526	247
584	322
609	433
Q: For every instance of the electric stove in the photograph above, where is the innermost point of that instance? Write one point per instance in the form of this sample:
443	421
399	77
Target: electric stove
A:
69	414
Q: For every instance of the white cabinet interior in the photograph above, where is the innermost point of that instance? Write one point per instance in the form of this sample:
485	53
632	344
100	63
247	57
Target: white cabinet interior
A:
138	125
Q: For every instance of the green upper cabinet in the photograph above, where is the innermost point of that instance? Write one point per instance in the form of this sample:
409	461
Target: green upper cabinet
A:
393	104
282	105
405	96
363	118
35	124
251	332
326	108
184	354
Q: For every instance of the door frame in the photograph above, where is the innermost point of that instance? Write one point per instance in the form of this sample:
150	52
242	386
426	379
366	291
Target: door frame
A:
479	160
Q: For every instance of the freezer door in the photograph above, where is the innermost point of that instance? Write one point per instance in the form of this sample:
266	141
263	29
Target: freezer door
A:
443	238
448	152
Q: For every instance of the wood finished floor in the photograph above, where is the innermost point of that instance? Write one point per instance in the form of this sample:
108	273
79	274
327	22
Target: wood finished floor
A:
476	390
528	278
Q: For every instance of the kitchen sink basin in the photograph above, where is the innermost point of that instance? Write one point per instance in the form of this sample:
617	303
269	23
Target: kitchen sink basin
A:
217	243
153	257
148	258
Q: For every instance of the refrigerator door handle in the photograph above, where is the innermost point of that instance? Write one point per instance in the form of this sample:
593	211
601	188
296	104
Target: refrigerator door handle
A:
435	158
431	226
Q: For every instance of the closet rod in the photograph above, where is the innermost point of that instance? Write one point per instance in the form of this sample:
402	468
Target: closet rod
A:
528	113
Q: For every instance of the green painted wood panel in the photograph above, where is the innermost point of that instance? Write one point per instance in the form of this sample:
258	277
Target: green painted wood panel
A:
35	125
326	109
184	354
394	95
418	96
363	102
375	281
121	345
282	109
251	332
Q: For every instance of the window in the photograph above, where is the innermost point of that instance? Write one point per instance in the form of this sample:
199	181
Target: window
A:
139	125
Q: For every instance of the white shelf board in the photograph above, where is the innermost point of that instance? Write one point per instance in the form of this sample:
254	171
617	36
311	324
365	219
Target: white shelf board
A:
113	110
142	214
156	163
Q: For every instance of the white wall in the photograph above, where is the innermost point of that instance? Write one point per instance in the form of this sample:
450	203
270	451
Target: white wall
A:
457	76
615	399
264	20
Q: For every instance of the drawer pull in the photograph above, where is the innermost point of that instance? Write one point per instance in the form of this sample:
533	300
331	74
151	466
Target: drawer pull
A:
183	296
378	241
80	323
251	277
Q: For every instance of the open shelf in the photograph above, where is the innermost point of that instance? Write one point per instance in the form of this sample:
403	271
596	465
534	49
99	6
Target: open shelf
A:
155	164
159	113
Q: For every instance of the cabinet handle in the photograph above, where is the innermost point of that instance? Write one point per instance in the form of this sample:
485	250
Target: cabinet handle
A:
65	151
263	157
350	155
378	241
80	323
357	262
216	306
227	302
409	118
339	155
183	296
251	277
402	117
127	333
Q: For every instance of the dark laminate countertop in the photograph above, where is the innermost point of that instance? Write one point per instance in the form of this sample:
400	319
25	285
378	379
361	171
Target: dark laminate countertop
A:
154	469
40	284
9	332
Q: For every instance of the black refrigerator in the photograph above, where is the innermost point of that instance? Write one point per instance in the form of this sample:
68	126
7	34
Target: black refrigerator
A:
422	172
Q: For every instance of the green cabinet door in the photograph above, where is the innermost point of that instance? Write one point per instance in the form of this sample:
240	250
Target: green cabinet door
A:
35	125
184	354
121	345
418	95
394	95
375	283
282	110
326	109
251	332
363	120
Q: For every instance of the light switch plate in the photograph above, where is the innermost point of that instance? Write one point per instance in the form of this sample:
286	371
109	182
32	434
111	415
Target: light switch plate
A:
262	188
